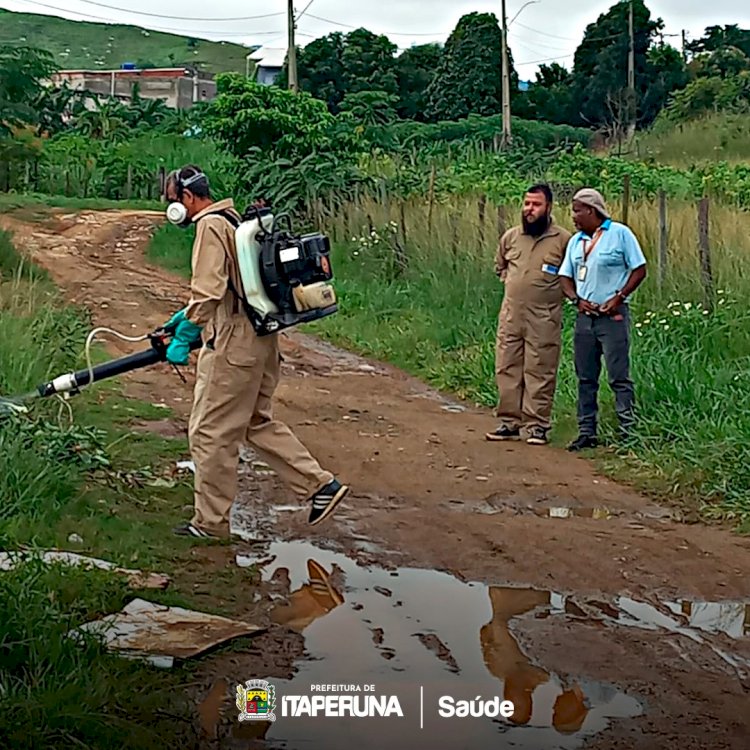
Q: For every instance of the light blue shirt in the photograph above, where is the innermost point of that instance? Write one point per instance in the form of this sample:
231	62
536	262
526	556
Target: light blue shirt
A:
615	257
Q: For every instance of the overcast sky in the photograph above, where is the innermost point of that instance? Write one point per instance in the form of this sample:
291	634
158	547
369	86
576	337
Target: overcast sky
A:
545	31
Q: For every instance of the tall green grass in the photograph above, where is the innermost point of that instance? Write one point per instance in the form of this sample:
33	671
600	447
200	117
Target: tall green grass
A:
58	692
171	247
724	137
691	364
54	691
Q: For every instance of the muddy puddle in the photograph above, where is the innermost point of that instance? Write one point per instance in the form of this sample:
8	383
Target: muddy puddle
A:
421	635
543	508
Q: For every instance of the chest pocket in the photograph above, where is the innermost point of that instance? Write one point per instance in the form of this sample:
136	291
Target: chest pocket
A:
551	262
611	257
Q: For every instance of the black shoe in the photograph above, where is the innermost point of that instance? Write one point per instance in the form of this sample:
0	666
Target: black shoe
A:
582	442
187	529
324	501
537	436
504	433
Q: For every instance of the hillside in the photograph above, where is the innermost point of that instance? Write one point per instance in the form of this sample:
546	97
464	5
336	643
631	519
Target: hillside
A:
722	136
81	44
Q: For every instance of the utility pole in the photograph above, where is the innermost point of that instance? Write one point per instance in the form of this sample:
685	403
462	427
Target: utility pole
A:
506	82
292	51
684	45
631	75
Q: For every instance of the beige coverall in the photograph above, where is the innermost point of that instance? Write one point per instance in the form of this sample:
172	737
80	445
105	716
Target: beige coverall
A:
505	660
237	375
529	326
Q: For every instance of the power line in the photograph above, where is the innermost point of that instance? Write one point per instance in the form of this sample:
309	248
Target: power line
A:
386	33
537	44
307	7
171	30
178	18
543	33
547	59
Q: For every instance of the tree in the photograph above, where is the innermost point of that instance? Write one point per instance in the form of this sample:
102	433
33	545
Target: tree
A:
333	66
247	117
369	63
22	70
601	65
320	70
717	38
415	69
370	108
550	96
469	77
667	73
726	62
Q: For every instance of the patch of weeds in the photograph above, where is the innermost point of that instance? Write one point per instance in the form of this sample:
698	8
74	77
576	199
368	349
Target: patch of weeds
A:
64	692
14	265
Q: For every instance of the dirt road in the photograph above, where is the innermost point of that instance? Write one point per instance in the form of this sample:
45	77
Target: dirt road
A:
457	567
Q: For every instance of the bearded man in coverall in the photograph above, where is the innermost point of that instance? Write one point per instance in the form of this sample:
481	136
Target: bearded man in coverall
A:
530	322
237	372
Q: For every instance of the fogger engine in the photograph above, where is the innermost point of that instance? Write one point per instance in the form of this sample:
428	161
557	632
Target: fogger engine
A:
285	276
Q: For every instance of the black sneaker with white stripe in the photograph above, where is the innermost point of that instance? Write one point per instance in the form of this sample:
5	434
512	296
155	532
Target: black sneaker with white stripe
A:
187	529
324	501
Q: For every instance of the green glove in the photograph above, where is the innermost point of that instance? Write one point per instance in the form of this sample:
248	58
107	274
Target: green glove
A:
178	350
174	321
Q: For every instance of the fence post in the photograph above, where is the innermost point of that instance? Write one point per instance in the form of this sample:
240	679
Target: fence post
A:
501	221
433	175
663	238
482	214
402	210
626	199
454	238
129	182
705	252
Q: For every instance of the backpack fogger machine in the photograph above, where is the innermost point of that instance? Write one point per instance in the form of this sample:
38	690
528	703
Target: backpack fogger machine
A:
285	282
285	277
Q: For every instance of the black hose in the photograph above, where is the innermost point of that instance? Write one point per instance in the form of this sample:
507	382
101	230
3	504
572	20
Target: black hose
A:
115	367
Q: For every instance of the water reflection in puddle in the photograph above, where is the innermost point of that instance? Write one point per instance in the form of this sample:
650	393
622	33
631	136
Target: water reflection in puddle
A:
411	629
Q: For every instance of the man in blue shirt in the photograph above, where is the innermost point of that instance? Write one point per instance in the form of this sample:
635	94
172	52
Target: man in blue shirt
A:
603	266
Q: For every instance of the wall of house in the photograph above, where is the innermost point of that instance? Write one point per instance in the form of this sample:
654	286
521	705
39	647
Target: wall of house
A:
267	76
176	92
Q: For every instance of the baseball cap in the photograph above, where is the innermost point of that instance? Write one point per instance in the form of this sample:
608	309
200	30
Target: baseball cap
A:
593	198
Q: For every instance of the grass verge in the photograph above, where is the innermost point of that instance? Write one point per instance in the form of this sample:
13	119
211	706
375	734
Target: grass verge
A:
14	201
115	489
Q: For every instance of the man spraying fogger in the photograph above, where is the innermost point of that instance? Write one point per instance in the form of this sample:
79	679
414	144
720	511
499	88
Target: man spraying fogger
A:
237	372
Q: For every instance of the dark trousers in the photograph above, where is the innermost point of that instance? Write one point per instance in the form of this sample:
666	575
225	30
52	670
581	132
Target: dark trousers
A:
608	337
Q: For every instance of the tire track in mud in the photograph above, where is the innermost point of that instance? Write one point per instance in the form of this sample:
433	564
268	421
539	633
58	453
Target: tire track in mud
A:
430	495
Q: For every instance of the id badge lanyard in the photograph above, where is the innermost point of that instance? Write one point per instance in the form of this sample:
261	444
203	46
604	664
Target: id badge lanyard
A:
583	270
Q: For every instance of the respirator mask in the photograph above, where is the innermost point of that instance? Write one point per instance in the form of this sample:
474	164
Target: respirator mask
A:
178	215
176	212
